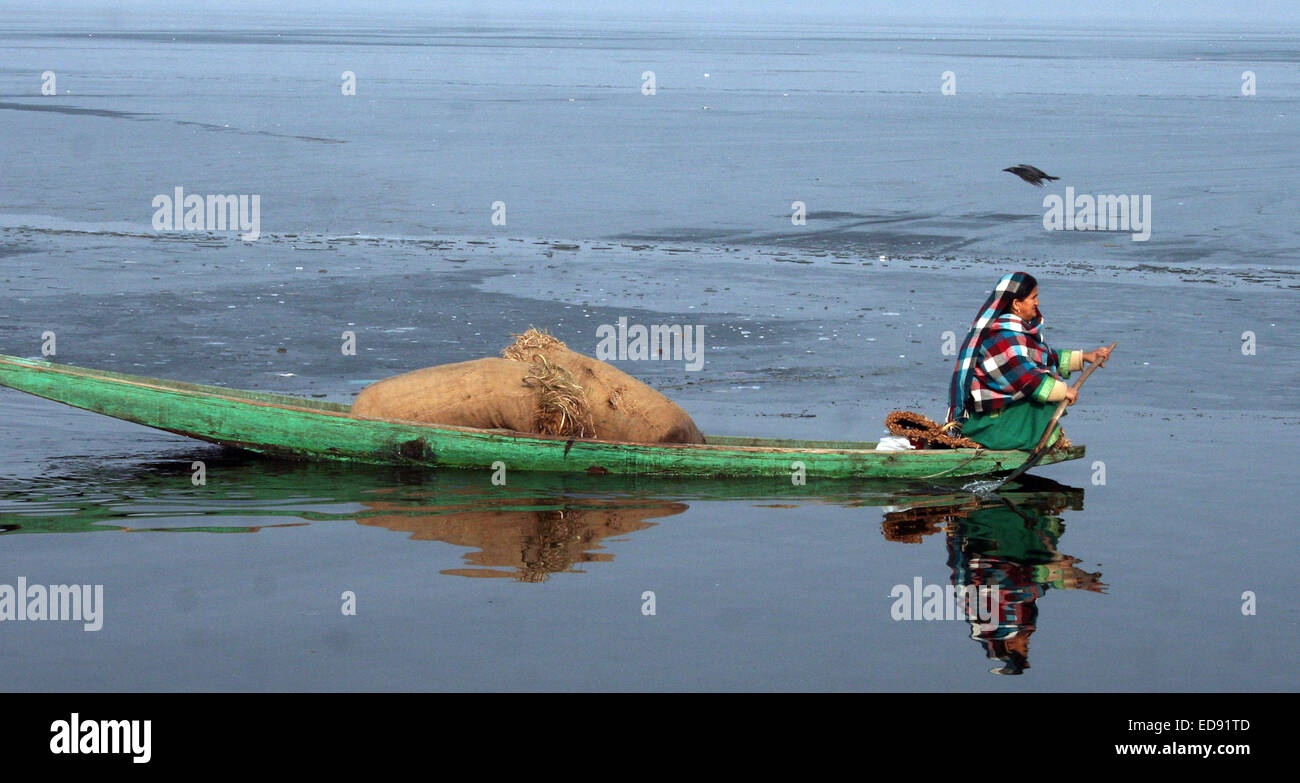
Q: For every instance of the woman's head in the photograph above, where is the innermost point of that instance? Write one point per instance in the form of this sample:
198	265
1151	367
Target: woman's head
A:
1024	303
1015	293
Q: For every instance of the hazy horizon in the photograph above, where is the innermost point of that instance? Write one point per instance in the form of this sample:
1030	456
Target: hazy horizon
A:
1229	15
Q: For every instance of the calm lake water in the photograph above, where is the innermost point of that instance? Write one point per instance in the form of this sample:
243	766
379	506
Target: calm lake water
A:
1128	573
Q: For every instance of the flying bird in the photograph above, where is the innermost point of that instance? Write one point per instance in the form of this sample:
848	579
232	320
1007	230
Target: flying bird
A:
1030	174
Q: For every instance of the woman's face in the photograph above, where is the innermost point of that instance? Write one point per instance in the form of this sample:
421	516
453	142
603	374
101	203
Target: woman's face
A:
1027	308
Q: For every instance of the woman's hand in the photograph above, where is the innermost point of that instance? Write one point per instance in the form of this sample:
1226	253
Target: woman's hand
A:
1099	356
1071	396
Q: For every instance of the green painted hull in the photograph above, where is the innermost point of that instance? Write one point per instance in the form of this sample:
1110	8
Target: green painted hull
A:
296	428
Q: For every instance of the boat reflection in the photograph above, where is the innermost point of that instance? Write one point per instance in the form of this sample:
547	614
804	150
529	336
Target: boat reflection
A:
536	525
1009	542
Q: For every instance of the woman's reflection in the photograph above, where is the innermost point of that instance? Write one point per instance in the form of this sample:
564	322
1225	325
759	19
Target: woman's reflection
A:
1003	545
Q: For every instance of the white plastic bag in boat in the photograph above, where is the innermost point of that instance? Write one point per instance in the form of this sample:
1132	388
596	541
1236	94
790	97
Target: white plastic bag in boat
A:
894	443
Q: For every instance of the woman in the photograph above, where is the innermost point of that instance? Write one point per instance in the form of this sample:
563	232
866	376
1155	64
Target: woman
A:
1003	389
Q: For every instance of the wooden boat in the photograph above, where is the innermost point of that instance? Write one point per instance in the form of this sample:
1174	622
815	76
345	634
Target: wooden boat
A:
295	428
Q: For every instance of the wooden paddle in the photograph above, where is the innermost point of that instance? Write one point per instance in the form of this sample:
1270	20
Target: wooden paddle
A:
1041	448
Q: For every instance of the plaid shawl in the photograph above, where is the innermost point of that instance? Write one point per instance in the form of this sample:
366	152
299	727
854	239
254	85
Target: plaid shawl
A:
1003	358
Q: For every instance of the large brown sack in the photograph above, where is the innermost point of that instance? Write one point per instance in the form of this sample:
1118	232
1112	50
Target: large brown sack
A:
541	387
621	407
484	393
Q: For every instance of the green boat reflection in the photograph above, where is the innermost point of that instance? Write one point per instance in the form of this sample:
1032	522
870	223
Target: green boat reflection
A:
533	526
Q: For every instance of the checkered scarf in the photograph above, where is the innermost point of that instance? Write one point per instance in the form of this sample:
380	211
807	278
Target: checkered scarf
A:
1002	359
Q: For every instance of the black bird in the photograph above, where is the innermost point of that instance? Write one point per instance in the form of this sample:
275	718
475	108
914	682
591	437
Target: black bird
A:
1030	174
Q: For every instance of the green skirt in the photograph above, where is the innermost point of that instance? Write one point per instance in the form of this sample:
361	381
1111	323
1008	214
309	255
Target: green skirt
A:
1018	426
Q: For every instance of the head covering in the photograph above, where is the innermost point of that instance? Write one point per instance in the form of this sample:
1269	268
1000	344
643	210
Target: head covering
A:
1016	285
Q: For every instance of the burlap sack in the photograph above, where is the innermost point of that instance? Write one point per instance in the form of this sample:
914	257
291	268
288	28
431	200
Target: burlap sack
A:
621	407
540	387
484	393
